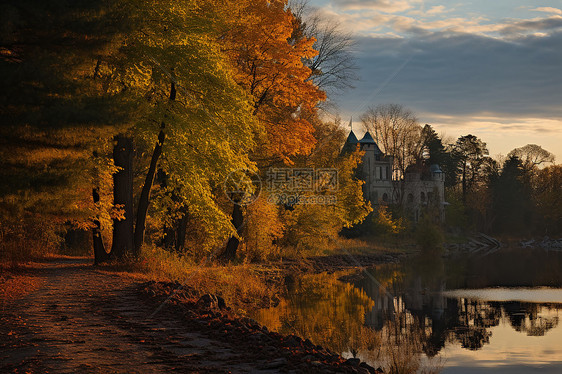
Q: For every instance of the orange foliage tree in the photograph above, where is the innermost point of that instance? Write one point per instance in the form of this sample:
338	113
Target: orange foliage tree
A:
269	64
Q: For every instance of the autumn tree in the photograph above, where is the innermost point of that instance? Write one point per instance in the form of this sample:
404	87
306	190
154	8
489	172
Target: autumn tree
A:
315	225
269	65
200	119
56	111
263	229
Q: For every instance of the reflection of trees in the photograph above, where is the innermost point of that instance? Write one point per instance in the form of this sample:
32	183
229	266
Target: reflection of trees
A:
474	318
468	322
325	310
398	316
524	317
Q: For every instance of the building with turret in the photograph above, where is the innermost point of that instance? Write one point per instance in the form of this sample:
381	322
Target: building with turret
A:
420	188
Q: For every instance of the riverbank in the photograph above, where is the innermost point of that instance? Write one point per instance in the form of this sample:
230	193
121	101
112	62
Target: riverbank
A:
269	350
85	319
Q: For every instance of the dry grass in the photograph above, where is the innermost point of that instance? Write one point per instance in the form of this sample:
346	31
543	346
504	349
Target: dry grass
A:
242	286
368	246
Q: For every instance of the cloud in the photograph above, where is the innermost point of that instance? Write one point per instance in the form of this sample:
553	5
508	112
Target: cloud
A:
459	69
461	74
438	9
371	17
548	10
388	6
531	26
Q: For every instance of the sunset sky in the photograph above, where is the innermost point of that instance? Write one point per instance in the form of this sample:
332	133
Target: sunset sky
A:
490	68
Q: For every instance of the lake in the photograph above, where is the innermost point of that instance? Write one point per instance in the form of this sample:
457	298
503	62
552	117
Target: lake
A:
488	314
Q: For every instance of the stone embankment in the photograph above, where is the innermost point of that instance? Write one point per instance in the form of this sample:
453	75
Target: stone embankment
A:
477	244
544	243
250	342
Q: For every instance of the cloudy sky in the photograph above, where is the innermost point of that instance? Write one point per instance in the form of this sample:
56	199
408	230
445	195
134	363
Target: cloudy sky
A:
492	68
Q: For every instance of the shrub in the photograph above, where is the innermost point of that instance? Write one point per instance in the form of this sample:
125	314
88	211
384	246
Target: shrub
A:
429	236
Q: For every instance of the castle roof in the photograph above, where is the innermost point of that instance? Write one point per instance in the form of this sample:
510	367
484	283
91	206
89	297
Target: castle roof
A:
351	138
368	139
350	144
434	168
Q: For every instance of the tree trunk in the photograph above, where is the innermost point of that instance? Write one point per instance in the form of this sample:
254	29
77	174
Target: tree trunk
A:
144	199
232	246
100	255
464	184
123	195
181	230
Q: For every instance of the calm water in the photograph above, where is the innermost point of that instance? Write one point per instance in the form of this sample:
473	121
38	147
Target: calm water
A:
493	314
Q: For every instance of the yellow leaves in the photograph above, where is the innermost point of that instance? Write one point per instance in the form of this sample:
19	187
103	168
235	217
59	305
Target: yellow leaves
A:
385	224
263	226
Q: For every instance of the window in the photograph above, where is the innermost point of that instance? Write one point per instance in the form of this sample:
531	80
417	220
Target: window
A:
385	197
422	197
410	198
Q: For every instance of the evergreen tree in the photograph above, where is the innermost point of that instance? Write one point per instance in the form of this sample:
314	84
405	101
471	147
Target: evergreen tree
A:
512	198
438	154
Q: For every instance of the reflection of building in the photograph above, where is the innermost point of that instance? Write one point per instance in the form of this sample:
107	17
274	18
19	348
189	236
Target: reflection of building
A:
420	187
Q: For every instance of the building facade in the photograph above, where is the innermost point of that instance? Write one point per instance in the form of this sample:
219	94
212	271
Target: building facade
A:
420	188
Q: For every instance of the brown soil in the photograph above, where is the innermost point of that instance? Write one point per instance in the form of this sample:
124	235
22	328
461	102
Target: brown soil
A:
84	320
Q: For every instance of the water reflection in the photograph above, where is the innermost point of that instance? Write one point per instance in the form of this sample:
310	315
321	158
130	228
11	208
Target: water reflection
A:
323	309
400	316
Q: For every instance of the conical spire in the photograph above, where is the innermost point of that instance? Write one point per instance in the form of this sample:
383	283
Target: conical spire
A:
368	139
351	142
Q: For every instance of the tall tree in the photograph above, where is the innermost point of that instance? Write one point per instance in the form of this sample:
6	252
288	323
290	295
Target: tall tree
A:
436	153
547	196
270	67
202	118
512	198
123	243
55	108
471	153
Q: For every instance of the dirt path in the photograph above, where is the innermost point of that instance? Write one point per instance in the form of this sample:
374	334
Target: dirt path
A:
83	320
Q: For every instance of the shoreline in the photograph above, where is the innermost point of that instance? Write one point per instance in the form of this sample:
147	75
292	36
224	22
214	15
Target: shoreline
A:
209	315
